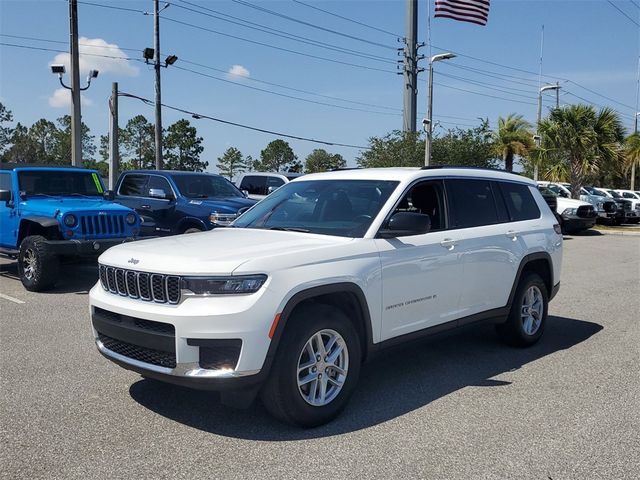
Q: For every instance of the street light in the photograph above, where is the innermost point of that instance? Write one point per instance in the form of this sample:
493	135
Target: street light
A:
60	70
555	87
428	122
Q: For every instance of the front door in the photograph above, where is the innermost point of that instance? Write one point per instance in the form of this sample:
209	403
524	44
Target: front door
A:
420	272
8	217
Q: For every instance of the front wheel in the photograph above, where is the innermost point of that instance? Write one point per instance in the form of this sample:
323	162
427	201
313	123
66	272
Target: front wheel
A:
528	316
316	368
37	266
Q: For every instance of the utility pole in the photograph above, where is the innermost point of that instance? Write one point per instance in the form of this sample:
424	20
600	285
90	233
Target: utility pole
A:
633	165
410	67
156	45
114	153
76	117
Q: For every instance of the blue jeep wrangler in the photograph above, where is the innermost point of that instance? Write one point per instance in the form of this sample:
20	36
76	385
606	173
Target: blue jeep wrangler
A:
47	213
174	202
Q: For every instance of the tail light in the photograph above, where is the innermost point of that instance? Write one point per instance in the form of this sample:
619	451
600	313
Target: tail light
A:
557	228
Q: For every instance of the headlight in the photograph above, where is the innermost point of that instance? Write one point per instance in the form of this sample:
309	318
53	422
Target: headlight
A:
223	285
600	205
70	220
569	211
222	218
130	218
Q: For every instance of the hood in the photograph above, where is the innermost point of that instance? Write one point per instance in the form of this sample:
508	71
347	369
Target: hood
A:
222	204
216	252
48	205
570	203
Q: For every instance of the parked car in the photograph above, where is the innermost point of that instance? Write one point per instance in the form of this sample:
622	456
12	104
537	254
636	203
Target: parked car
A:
574	216
172	202
631	206
606	209
323	274
48	213
629	194
624	211
258	185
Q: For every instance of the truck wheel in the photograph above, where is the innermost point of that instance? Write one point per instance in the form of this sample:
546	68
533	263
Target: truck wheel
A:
315	369
192	230
528	316
37	266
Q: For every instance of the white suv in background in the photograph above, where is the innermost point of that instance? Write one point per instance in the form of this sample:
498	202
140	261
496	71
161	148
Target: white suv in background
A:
321	276
258	185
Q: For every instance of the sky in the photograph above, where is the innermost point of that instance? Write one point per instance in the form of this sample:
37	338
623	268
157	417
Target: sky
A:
275	76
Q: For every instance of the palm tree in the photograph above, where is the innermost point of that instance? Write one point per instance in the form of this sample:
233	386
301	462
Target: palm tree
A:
583	139
513	138
632	156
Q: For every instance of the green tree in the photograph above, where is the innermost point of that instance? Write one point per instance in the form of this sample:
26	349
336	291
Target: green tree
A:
5	131
632	157
277	157
321	161
513	137
138	143
23	149
473	147
45	137
183	148
396	149
62	150
232	162
581	140
101	166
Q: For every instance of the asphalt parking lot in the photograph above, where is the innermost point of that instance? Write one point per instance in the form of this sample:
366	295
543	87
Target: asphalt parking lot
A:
456	406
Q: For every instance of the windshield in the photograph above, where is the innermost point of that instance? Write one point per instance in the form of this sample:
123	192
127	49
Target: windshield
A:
593	191
547	191
60	182
204	186
343	208
614	194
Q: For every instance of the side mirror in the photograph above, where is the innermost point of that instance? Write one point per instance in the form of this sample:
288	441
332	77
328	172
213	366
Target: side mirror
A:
564	194
5	195
157	193
402	224
109	195
245	193
271	189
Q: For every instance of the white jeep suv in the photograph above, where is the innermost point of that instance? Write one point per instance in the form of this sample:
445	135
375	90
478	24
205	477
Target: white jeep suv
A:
322	275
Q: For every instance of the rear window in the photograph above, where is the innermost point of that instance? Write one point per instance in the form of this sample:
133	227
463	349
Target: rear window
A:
254	184
471	203
520	202
5	181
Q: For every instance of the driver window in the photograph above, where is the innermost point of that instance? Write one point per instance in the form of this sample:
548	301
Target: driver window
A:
426	198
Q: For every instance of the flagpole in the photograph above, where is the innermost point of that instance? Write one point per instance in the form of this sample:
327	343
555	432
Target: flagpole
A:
538	140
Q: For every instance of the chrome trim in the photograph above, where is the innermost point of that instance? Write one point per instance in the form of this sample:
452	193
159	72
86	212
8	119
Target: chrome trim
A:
124	280
162	284
113	289
191	370
166	284
148	299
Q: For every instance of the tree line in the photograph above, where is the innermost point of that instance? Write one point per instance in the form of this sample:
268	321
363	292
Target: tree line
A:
577	144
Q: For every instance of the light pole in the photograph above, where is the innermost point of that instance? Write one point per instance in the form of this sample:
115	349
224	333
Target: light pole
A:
428	122
633	165
555	87
76	123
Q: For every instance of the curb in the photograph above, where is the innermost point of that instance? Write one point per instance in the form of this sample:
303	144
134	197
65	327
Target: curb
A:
627	233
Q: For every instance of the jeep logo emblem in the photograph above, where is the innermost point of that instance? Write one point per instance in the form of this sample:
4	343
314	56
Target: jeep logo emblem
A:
135	261
102	213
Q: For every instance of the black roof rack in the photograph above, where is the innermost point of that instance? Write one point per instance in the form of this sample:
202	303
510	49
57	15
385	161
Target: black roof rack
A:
434	167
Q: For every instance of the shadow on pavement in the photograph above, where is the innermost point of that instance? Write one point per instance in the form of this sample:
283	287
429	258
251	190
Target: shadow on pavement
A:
392	385
73	277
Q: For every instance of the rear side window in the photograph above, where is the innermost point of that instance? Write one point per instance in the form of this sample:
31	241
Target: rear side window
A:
254	184
520	202
5	181
133	185
471	203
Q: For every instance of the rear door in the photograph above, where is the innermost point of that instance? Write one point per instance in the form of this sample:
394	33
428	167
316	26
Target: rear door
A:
491	247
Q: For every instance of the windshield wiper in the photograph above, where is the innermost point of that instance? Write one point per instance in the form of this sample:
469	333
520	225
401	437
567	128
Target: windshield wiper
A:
290	229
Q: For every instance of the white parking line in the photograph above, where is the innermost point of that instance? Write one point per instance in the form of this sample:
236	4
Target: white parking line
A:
11	299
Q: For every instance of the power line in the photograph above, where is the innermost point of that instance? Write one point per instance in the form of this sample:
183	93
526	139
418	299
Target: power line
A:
308	24
240	125
497	88
483	94
635	4
623	12
348	19
29	47
488	73
280	33
296	52
112	7
281	94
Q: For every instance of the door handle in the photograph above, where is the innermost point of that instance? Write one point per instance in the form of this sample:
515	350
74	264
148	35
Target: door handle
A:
145	207
448	243
512	234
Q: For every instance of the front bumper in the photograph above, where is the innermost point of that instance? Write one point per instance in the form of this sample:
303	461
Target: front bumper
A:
84	248
578	223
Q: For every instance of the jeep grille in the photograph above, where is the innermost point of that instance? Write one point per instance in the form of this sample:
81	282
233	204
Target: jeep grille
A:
150	287
102	225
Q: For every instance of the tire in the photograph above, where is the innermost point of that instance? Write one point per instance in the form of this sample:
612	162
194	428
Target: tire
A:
304	405
192	230
37	266
521	329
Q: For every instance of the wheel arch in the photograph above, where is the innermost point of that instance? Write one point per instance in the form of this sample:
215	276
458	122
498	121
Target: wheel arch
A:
346	296
190	222
539	263
45	226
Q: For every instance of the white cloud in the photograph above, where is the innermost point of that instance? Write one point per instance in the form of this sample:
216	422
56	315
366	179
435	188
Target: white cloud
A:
237	72
62	98
98	46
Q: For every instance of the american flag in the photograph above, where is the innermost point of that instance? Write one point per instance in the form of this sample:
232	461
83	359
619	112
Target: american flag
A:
473	11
